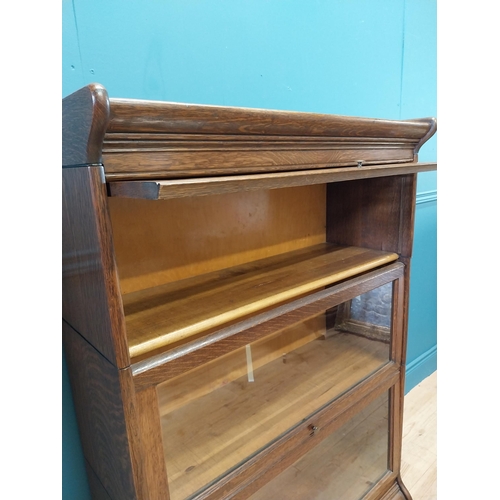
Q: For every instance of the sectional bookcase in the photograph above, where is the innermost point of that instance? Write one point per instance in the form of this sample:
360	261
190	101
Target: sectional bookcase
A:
235	298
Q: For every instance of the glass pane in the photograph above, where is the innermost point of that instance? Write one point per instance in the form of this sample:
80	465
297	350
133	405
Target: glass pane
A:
374	306
219	415
344	466
368	314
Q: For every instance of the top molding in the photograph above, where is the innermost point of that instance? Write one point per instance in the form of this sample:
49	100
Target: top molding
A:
137	139
85	117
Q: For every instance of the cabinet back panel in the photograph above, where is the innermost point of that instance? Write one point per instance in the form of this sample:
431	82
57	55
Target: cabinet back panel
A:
159	242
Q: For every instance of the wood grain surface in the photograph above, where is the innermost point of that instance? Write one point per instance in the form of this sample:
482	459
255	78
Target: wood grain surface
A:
243	212
169	313
156	367
164	140
374	213
141	139
91	299
85	115
128	115
148	417
170	240
204	186
105	411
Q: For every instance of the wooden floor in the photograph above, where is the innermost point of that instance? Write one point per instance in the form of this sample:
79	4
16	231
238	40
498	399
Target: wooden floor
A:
419	459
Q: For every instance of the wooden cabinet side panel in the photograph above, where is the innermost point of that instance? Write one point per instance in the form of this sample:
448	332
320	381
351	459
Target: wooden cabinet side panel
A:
91	300
97	490
375	213
104	404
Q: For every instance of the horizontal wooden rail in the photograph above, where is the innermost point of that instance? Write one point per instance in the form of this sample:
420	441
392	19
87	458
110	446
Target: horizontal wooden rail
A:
202	186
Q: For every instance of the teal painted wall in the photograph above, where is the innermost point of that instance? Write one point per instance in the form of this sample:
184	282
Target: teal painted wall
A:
352	57
418	90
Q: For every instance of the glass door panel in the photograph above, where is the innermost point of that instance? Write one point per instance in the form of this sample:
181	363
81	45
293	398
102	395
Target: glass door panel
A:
217	416
344	466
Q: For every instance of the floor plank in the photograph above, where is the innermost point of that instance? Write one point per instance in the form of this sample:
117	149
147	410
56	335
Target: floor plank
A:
419	457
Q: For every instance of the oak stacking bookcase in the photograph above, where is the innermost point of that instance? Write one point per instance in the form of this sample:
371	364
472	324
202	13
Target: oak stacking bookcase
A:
235	298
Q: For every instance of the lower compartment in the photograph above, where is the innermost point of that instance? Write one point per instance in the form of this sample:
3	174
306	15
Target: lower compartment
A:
221	414
344	466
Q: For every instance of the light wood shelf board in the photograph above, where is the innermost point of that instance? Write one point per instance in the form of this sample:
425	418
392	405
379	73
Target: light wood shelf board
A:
166	314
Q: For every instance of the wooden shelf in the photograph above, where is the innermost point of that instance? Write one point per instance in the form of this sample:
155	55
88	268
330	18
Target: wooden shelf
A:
155	189
211	434
169	313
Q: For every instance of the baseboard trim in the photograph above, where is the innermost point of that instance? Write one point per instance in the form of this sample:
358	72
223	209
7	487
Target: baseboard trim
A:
420	368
